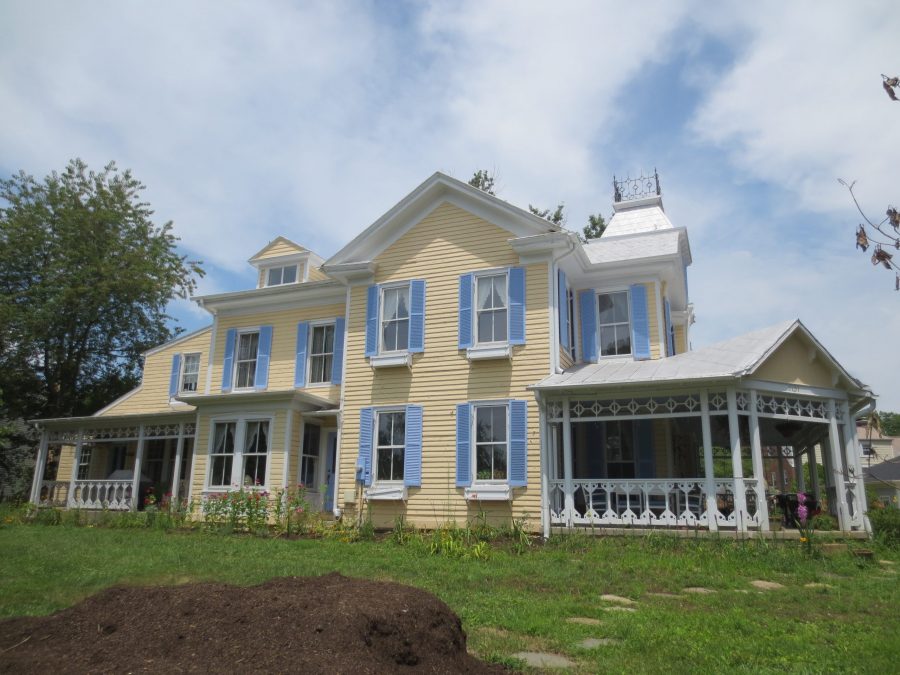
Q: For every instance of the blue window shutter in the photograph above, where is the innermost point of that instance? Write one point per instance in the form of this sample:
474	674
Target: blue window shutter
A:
518	443
412	459
562	301
465	311
463	445
417	315
300	364
372	300
173	378
640	323
516	306
587	304
228	360
670	337
643	440
263	354
337	363
364	459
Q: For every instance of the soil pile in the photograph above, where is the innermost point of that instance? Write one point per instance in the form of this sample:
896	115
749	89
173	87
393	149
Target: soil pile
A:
330	624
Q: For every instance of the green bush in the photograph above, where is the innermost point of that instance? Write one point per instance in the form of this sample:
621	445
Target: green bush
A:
886	525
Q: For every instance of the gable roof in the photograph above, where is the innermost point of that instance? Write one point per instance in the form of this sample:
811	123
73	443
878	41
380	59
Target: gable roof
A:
887	470
738	357
421	201
277	240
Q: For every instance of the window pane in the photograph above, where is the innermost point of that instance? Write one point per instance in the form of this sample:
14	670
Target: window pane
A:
403	335
289	275
389	311
403	303
221	470
499	325
224	438
483	462
255	470
274	276
389	339
607	340
498	415
308	471
606	312
397	464
317	369
498	296
329	339
483	424
399	422
318	341
483	299
263	437
620	306
383	468
499	462
326	368
623	339
384	429
485	327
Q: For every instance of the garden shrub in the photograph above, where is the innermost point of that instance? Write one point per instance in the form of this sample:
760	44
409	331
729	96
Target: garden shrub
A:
886	525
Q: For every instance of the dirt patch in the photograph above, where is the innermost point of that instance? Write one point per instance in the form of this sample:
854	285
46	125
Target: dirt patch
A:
310	624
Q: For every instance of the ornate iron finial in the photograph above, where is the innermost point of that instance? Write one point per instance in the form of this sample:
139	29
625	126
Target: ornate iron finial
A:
629	189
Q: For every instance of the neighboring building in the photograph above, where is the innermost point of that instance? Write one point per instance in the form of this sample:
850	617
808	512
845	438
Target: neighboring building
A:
875	448
462	356
884	480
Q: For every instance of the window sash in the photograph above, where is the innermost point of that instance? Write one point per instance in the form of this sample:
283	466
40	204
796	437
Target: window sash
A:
309	458
256	452
84	462
491	307
278	276
390	447
491	443
240	453
395	318
321	353
245	360
190	374
615	332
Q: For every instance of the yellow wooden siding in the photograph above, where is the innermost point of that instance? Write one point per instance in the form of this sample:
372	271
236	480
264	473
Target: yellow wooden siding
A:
447	243
284	345
153	394
565	359
656	351
791	364
279	248
66	461
315	274
680	343
277	440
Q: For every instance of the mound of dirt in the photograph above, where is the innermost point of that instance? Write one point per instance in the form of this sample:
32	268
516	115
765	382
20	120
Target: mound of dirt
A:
322	624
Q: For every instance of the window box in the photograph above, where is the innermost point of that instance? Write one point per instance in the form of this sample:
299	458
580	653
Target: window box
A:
484	352
386	492
391	360
489	493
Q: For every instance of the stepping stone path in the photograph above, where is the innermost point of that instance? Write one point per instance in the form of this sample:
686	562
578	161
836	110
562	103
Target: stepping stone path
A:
886	562
583	620
766	585
543	660
698	590
816	584
617	598
664	595
618	609
593	643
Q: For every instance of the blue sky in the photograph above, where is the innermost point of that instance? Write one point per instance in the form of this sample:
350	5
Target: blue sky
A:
249	120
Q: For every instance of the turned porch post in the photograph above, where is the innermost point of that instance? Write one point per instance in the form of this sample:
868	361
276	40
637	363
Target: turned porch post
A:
837	468
762	504
40	465
567	464
712	507
737	466
136	479
854	464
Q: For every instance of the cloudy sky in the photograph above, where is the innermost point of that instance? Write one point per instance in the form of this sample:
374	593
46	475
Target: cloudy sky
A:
247	120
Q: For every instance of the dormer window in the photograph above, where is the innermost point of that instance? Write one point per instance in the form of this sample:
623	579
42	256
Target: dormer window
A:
286	274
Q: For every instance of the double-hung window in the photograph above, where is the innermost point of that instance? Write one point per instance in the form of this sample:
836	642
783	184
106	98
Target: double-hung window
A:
614	324
84	462
239	453
190	373
321	353
491	442
309	459
395	319
390	446
491	306
245	359
276	276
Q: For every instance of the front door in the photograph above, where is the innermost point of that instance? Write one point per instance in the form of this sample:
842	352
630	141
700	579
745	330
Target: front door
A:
330	456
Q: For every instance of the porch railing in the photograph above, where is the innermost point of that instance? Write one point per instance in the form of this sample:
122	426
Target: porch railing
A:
53	493
114	495
658	502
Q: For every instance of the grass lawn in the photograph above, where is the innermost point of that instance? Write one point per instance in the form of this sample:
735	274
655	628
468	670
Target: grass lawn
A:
513	603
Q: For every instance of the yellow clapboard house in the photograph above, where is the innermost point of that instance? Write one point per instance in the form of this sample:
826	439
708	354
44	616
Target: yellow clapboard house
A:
464	357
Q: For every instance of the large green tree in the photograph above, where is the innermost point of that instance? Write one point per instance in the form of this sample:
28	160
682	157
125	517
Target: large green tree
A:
85	278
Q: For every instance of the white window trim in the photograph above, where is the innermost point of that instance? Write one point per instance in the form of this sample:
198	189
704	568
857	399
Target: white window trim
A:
487	489
309	355
234	365
385	490
237	462
181	390
607	291
298	276
382	352
480	351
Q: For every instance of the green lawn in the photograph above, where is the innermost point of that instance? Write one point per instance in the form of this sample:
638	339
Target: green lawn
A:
515	602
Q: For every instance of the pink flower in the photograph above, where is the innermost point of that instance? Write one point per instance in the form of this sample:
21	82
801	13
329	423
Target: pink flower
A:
802	513
801	497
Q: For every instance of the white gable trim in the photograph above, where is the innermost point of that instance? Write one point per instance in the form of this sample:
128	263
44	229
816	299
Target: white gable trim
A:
413	208
180	338
276	240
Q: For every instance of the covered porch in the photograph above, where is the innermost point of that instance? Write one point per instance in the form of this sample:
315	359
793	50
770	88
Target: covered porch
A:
114	463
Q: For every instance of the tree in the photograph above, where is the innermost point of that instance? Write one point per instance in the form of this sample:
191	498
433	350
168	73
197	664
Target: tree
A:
85	277
595	227
557	217
870	232
483	180
890	423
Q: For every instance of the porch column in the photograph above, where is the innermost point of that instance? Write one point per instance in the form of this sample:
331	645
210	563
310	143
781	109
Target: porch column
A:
39	465
567	464
76	460
854	464
837	468
762	504
176	471
544	464
136	480
712	507
814	473
798	468
737	466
